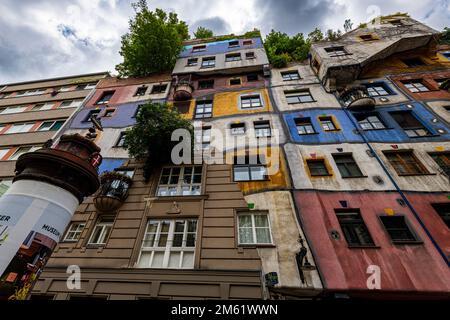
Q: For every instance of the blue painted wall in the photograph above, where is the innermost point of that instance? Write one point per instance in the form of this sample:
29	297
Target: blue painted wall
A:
216	47
392	133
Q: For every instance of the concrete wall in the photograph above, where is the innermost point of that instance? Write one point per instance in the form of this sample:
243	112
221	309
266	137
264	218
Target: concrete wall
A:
438	107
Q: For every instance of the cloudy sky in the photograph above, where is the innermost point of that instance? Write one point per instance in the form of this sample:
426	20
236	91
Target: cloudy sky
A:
50	38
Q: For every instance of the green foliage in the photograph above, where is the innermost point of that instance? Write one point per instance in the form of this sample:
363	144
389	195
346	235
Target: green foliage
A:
153	42
282	49
445	36
316	35
362	25
203	33
150	138
256	33
333	35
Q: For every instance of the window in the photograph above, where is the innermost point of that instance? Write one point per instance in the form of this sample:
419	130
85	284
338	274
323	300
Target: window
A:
43	106
327	123
413	62
127	172
19	128
405	163
415	86
249	169
367	37
92	113
33	92
192	62
409	123
105	97
247	42
254	228
336	52
3	152
396	22
205	84
377	90
74	232
304	126
209	62
290	75
252	77
65	89
206	138
354	228
317	167
235	82
234	43
443	209
180	181
250	55
203	109
5	95
440	81
237	128
262	129
87	86
232	57
398	229
5	184
169	244
121	141
443	160
138	108
445	54
161	88
199	48
298	96
71	103
51	125
109	113
21	150
253	101
101	231
369	121
347	166
141	91
14	109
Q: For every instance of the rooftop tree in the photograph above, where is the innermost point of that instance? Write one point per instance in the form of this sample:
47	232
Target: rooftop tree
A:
282	49
153	42
203	33
149	140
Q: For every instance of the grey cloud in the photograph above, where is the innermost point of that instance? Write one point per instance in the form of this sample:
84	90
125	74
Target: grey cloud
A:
218	25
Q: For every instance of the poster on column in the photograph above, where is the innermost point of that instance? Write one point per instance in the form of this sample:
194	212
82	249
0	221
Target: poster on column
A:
30	229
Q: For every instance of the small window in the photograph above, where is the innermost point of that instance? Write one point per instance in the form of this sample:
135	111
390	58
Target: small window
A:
443	210
13	109
199	48
138	109
304	126
290	75
205	138
86	86
377	90
65	89
347	166
235	82
192	62
92	113
51	125
109	113
121	141
354	228
336	51
203	109
237	128
249	102
22	150
71	104
396	22
249	169
159	88
101	231
327	123
19	128
141	91
250	55
262	129
317	168
254	228
413	62
232	57
410	124
209	62
3	152
43	106
105	97
443	161
127	172
74	232
370	121
415	86
405	163
298	96
252	77
247	42
234	43
398	229
205	84
180	181
367	37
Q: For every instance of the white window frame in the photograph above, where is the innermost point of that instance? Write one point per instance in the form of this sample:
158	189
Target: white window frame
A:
253	228
105	233
251	97
290	75
74	232
12	109
3	152
180	186
416	86
301	96
33	92
18	152
44	106
73	103
168	249
21	128
262	132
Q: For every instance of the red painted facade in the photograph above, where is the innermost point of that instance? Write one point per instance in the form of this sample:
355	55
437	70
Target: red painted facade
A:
429	80
404	268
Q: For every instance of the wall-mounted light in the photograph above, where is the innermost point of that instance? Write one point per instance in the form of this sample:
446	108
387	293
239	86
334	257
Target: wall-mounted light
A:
410	106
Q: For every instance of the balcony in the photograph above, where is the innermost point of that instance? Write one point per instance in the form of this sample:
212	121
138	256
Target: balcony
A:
183	89
357	98
113	192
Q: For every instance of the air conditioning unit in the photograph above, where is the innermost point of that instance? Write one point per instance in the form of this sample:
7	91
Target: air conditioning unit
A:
266	70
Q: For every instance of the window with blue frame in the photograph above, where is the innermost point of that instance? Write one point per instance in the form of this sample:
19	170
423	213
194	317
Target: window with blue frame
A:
378	89
304	126
369	121
410	124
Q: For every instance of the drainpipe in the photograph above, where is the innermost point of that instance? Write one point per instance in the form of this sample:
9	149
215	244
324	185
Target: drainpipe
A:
410	206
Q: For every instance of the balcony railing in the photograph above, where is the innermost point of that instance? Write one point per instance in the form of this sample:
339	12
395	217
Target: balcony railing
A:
113	191
357	97
183	89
